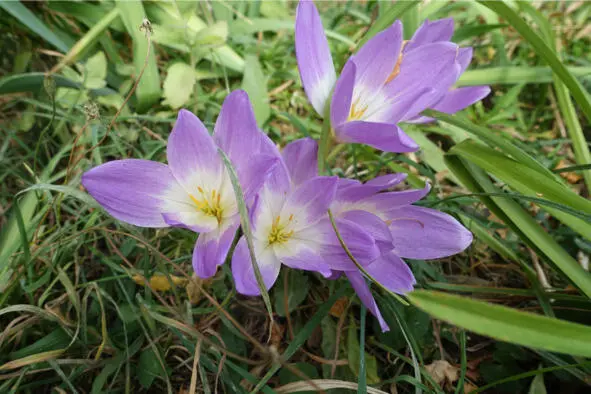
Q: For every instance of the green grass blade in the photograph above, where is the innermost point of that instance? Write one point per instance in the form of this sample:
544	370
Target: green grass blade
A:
33	82
520	222
543	50
514	75
362	383
89	39
303	335
506	324
27	18
396	11
528	182
493	140
245	224
565	104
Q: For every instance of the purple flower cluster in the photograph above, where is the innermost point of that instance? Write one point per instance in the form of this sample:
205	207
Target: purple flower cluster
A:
388	81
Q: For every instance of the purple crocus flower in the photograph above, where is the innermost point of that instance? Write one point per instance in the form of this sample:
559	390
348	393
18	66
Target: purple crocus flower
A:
386	82
194	190
414	232
398	229
290	224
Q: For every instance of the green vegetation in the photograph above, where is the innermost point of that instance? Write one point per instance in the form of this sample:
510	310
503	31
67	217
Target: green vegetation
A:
92	305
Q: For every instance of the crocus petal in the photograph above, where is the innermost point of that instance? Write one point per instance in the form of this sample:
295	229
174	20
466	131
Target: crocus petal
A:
212	248
386	181
360	243
460	98
362	289
194	220
392	273
376	60
375	226
423	233
334	275
136	191
464	58
310	201
192	154
352	192
386	205
429	32
456	100
243	271
313	56
382	136
340	106
304	255
423	67
237	134
301	159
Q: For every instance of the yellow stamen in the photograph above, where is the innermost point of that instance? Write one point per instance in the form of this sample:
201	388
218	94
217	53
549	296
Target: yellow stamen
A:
278	233
210	207
356	112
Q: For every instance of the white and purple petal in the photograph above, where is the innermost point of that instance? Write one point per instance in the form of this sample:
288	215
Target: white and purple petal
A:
376	60
136	191
212	248
310	202
243	270
313	56
340	106
192	154
236	133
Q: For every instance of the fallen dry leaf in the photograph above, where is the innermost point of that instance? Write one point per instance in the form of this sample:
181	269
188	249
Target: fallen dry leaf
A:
339	307
160	282
442	372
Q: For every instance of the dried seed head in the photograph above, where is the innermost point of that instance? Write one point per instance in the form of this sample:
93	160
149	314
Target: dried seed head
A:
91	110
146	27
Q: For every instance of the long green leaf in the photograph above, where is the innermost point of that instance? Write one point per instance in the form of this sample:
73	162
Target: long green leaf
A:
519	221
514	75
245	224
89	39
27	18
543	50
506	324
565	103
493	140
33	82
529	182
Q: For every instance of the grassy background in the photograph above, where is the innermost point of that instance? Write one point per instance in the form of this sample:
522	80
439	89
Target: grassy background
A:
91	305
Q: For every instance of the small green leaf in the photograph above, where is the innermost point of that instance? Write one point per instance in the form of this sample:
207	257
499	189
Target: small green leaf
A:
353	355
149	368
297	290
506	324
255	84
287	376
178	84
95	70
214	35
537	385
